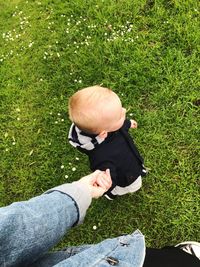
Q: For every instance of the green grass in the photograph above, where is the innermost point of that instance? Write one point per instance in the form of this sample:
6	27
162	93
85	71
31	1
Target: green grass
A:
147	52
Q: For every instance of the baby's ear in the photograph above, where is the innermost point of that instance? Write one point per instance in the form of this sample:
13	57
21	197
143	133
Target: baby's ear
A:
103	134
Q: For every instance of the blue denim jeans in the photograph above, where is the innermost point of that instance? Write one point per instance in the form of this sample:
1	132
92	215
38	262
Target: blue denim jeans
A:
127	251
29	229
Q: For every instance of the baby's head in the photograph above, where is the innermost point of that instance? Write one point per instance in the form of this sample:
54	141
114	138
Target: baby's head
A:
96	110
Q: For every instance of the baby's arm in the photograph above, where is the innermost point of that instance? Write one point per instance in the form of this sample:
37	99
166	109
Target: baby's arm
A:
129	124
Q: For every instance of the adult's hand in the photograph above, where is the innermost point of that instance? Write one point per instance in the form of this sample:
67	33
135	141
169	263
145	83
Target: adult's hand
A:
98	182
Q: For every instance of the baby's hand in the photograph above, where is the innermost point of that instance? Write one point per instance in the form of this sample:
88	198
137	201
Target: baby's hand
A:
133	124
97	182
104	180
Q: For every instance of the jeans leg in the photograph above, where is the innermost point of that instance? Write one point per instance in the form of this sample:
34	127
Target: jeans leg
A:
52	258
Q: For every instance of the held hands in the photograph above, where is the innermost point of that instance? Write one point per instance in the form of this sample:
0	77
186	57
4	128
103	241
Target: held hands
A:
97	182
133	124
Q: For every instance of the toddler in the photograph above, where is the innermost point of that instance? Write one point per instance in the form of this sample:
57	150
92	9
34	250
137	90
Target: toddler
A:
100	130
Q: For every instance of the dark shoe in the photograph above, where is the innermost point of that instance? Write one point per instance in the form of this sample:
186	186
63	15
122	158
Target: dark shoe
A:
110	196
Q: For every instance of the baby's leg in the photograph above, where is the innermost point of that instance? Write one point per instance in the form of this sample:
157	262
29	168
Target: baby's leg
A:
135	186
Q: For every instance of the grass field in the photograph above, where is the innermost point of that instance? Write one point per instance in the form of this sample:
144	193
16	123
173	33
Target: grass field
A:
147	52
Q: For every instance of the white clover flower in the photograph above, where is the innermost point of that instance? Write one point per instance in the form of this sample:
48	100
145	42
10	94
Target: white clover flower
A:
73	169
14	143
62	166
70	163
31	44
80	81
62	119
7	149
94	227
131	114
56	122
77	158
66	176
18	119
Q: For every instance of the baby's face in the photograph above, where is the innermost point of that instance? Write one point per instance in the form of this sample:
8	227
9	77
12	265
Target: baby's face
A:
114	114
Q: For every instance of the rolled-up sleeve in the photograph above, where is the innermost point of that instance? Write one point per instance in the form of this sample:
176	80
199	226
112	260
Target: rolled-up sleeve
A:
79	193
30	228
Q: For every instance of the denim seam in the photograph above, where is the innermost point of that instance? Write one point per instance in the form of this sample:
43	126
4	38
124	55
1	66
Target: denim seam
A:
76	205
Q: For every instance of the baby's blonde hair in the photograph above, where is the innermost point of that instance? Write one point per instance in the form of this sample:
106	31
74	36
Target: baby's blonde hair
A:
86	107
